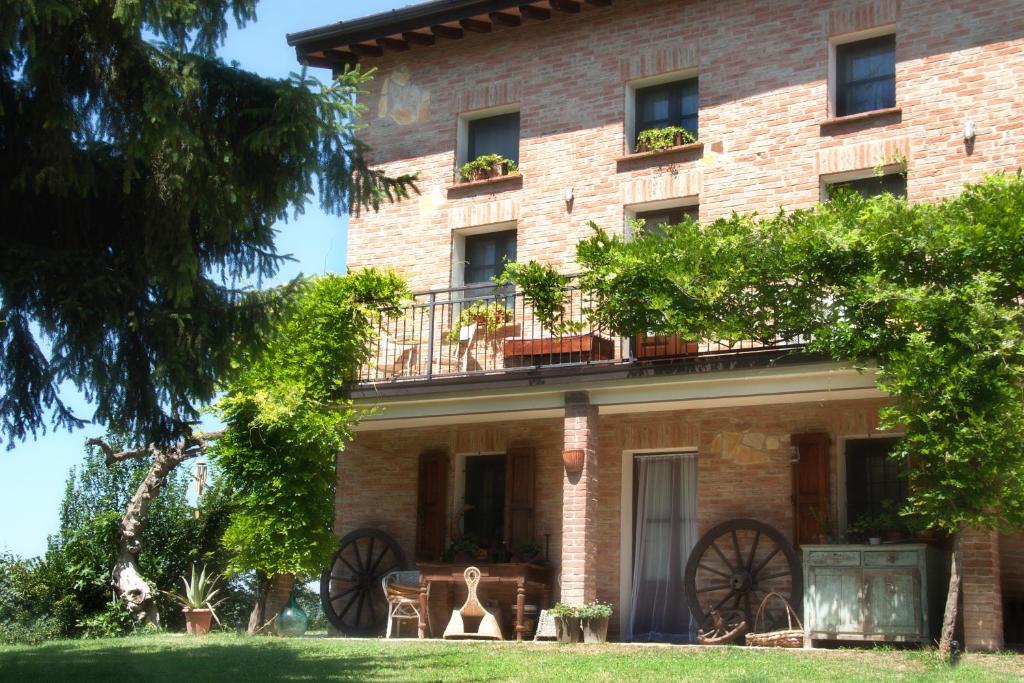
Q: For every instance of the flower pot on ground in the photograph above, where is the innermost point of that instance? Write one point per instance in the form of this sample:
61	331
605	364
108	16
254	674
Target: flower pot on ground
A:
197	621
594	617
197	601
567	623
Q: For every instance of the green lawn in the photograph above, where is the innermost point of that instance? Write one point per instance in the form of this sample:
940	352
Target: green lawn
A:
229	658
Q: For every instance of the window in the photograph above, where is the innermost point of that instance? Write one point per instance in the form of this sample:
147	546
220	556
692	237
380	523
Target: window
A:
485	499
872	186
485	257
655	220
668	104
874	481
493	135
865	75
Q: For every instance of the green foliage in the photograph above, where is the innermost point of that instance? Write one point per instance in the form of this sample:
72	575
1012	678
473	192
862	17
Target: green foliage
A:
562	610
288	416
484	162
141	181
595	610
888	519
490	315
30	609
200	591
547	293
113	621
664	138
929	293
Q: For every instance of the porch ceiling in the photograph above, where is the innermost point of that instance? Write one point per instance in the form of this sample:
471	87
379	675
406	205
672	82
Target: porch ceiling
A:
823	381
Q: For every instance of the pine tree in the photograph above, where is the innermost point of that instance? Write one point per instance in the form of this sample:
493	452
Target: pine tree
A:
141	178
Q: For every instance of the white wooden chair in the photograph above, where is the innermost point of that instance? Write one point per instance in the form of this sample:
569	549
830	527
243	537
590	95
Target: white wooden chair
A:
402	592
397	357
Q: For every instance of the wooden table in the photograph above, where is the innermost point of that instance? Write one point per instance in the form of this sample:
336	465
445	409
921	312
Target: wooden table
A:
520	574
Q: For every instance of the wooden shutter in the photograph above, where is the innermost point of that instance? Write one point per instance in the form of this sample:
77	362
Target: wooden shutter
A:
810	487
431	504
519	488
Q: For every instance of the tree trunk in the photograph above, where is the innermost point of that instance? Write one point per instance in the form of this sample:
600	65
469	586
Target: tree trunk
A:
949	618
126	578
256	620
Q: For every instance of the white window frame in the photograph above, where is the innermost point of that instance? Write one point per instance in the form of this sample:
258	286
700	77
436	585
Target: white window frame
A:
833	62
859	174
626	521
462	128
459	236
842	522
630	211
628	134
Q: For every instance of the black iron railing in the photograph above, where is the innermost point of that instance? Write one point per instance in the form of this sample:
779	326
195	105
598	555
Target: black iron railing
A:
493	330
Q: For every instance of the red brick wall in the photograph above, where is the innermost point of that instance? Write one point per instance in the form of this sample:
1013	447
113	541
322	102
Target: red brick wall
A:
763	83
580	504
1011	563
982	594
377	474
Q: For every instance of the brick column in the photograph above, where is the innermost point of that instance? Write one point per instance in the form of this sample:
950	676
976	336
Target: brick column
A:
579	504
981	590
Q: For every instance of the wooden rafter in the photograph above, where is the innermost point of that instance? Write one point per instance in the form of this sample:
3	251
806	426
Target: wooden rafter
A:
505	19
449	32
534	12
567	6
364	50
475	25
417	38
393	44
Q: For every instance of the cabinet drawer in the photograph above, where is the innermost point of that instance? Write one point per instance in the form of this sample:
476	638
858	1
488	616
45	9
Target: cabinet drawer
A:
893	558
833	558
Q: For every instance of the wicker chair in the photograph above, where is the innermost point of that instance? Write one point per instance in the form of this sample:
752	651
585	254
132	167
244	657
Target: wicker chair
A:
402	592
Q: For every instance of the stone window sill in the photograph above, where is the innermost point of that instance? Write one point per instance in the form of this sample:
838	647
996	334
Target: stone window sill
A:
863	116
500	180
689	147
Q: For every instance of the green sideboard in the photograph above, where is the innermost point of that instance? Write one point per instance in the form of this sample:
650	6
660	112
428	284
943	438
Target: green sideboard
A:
887	593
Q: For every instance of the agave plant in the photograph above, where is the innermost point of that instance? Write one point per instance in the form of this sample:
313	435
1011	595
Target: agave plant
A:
200	592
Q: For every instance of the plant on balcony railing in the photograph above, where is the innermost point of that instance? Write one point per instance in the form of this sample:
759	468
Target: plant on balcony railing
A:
546	291
490	316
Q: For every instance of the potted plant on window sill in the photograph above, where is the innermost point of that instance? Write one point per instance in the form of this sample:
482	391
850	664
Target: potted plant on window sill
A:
594	618
487	166
567	623
658	139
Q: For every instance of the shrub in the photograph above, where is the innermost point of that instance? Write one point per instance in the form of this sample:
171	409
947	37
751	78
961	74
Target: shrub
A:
664	138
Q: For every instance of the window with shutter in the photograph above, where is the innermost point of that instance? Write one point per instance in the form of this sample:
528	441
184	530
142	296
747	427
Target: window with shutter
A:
520	486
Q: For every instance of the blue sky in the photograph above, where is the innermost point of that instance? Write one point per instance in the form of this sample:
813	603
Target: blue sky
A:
32	475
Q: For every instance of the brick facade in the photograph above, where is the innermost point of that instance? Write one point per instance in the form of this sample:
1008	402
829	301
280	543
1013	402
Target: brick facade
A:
763	98
767	142
381	466
982	591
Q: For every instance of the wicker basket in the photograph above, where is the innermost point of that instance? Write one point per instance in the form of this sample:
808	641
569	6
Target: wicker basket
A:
791	637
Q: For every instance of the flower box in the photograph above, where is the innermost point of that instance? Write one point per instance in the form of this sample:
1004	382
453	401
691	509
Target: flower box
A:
664	347
577	348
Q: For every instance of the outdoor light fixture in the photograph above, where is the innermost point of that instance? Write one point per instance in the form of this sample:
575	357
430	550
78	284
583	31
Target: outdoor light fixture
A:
969	131
568	195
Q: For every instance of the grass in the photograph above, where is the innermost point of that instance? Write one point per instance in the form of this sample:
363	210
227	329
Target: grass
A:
224	657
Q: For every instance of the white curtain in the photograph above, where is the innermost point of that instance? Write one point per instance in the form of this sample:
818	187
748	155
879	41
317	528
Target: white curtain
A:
665	533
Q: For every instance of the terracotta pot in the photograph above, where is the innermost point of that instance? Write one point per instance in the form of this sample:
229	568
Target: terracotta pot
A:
481	174
197	621
641	147
499	169
567	629
595	630
573	460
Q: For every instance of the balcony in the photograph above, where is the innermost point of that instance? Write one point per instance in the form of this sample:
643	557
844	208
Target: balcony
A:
491	332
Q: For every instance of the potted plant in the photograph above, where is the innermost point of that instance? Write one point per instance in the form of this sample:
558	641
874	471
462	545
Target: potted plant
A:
594	617
491	316
197	601
655	139
465	549
567	623
528	552
888	524
487	166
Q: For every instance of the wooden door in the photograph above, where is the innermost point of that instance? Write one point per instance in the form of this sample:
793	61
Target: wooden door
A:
519	480
810	487
431	506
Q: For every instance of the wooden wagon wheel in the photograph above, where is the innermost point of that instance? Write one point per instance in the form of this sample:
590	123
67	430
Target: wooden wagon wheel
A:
350	589
722	627
736	564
